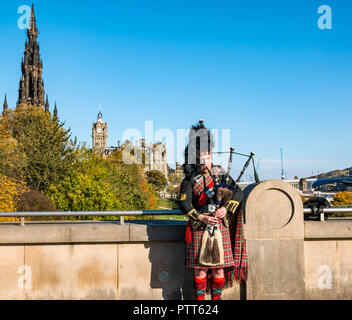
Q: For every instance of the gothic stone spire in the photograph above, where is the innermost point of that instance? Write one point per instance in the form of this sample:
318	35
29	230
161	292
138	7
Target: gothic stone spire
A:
31	90
32	32
5	107
46	104
55	116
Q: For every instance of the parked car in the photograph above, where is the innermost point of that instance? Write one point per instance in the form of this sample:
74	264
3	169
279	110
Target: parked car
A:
316	204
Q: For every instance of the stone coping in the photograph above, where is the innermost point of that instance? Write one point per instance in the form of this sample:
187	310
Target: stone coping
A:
136	231
328	230
91	232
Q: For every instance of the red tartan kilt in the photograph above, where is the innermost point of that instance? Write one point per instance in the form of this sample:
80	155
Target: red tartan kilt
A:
193	249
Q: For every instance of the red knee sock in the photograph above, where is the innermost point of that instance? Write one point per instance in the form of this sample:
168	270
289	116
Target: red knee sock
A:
200	287
217	285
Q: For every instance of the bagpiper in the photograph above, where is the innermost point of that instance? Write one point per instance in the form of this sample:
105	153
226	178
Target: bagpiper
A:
215	244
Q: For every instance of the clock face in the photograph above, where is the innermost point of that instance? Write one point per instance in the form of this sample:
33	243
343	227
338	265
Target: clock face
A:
98	130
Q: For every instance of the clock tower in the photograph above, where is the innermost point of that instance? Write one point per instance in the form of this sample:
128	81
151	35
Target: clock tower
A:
99	135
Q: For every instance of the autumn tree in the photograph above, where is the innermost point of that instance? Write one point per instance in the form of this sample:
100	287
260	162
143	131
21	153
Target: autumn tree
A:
34	201
12	160
342	199
10	191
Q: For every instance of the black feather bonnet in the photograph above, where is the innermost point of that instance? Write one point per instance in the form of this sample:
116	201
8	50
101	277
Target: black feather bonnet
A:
200	141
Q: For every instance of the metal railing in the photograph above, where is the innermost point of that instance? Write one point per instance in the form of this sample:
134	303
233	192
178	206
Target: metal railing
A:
122	214
328	210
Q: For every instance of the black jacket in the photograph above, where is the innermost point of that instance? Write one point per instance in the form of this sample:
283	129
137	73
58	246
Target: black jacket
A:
189	200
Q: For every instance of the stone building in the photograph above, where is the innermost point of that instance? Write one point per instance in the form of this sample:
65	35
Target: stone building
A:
156	157
176	175
100	135
155	153
179	171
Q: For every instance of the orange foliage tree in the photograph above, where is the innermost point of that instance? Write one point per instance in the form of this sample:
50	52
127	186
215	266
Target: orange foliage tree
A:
12	160
10	191
342	199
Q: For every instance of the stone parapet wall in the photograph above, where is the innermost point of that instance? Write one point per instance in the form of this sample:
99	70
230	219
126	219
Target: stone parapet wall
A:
101	260
289	258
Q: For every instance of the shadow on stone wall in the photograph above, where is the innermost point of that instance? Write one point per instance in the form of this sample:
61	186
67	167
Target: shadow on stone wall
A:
167	265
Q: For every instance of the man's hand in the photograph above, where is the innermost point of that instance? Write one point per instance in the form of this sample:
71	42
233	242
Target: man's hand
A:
220	213
208	219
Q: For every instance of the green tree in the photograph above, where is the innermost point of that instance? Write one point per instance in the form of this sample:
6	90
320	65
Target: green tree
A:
130	185
37	150
157	179
102	185
80	192
50	153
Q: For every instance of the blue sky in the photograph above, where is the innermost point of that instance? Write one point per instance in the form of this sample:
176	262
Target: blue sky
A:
262	69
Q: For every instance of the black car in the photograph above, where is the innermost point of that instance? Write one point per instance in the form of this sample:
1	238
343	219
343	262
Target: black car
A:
316	204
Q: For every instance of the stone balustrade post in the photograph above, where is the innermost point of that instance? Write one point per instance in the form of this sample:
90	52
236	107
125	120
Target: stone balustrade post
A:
275	241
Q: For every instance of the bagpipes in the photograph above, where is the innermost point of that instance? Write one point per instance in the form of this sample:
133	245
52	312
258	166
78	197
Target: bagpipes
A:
212	252
227	179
